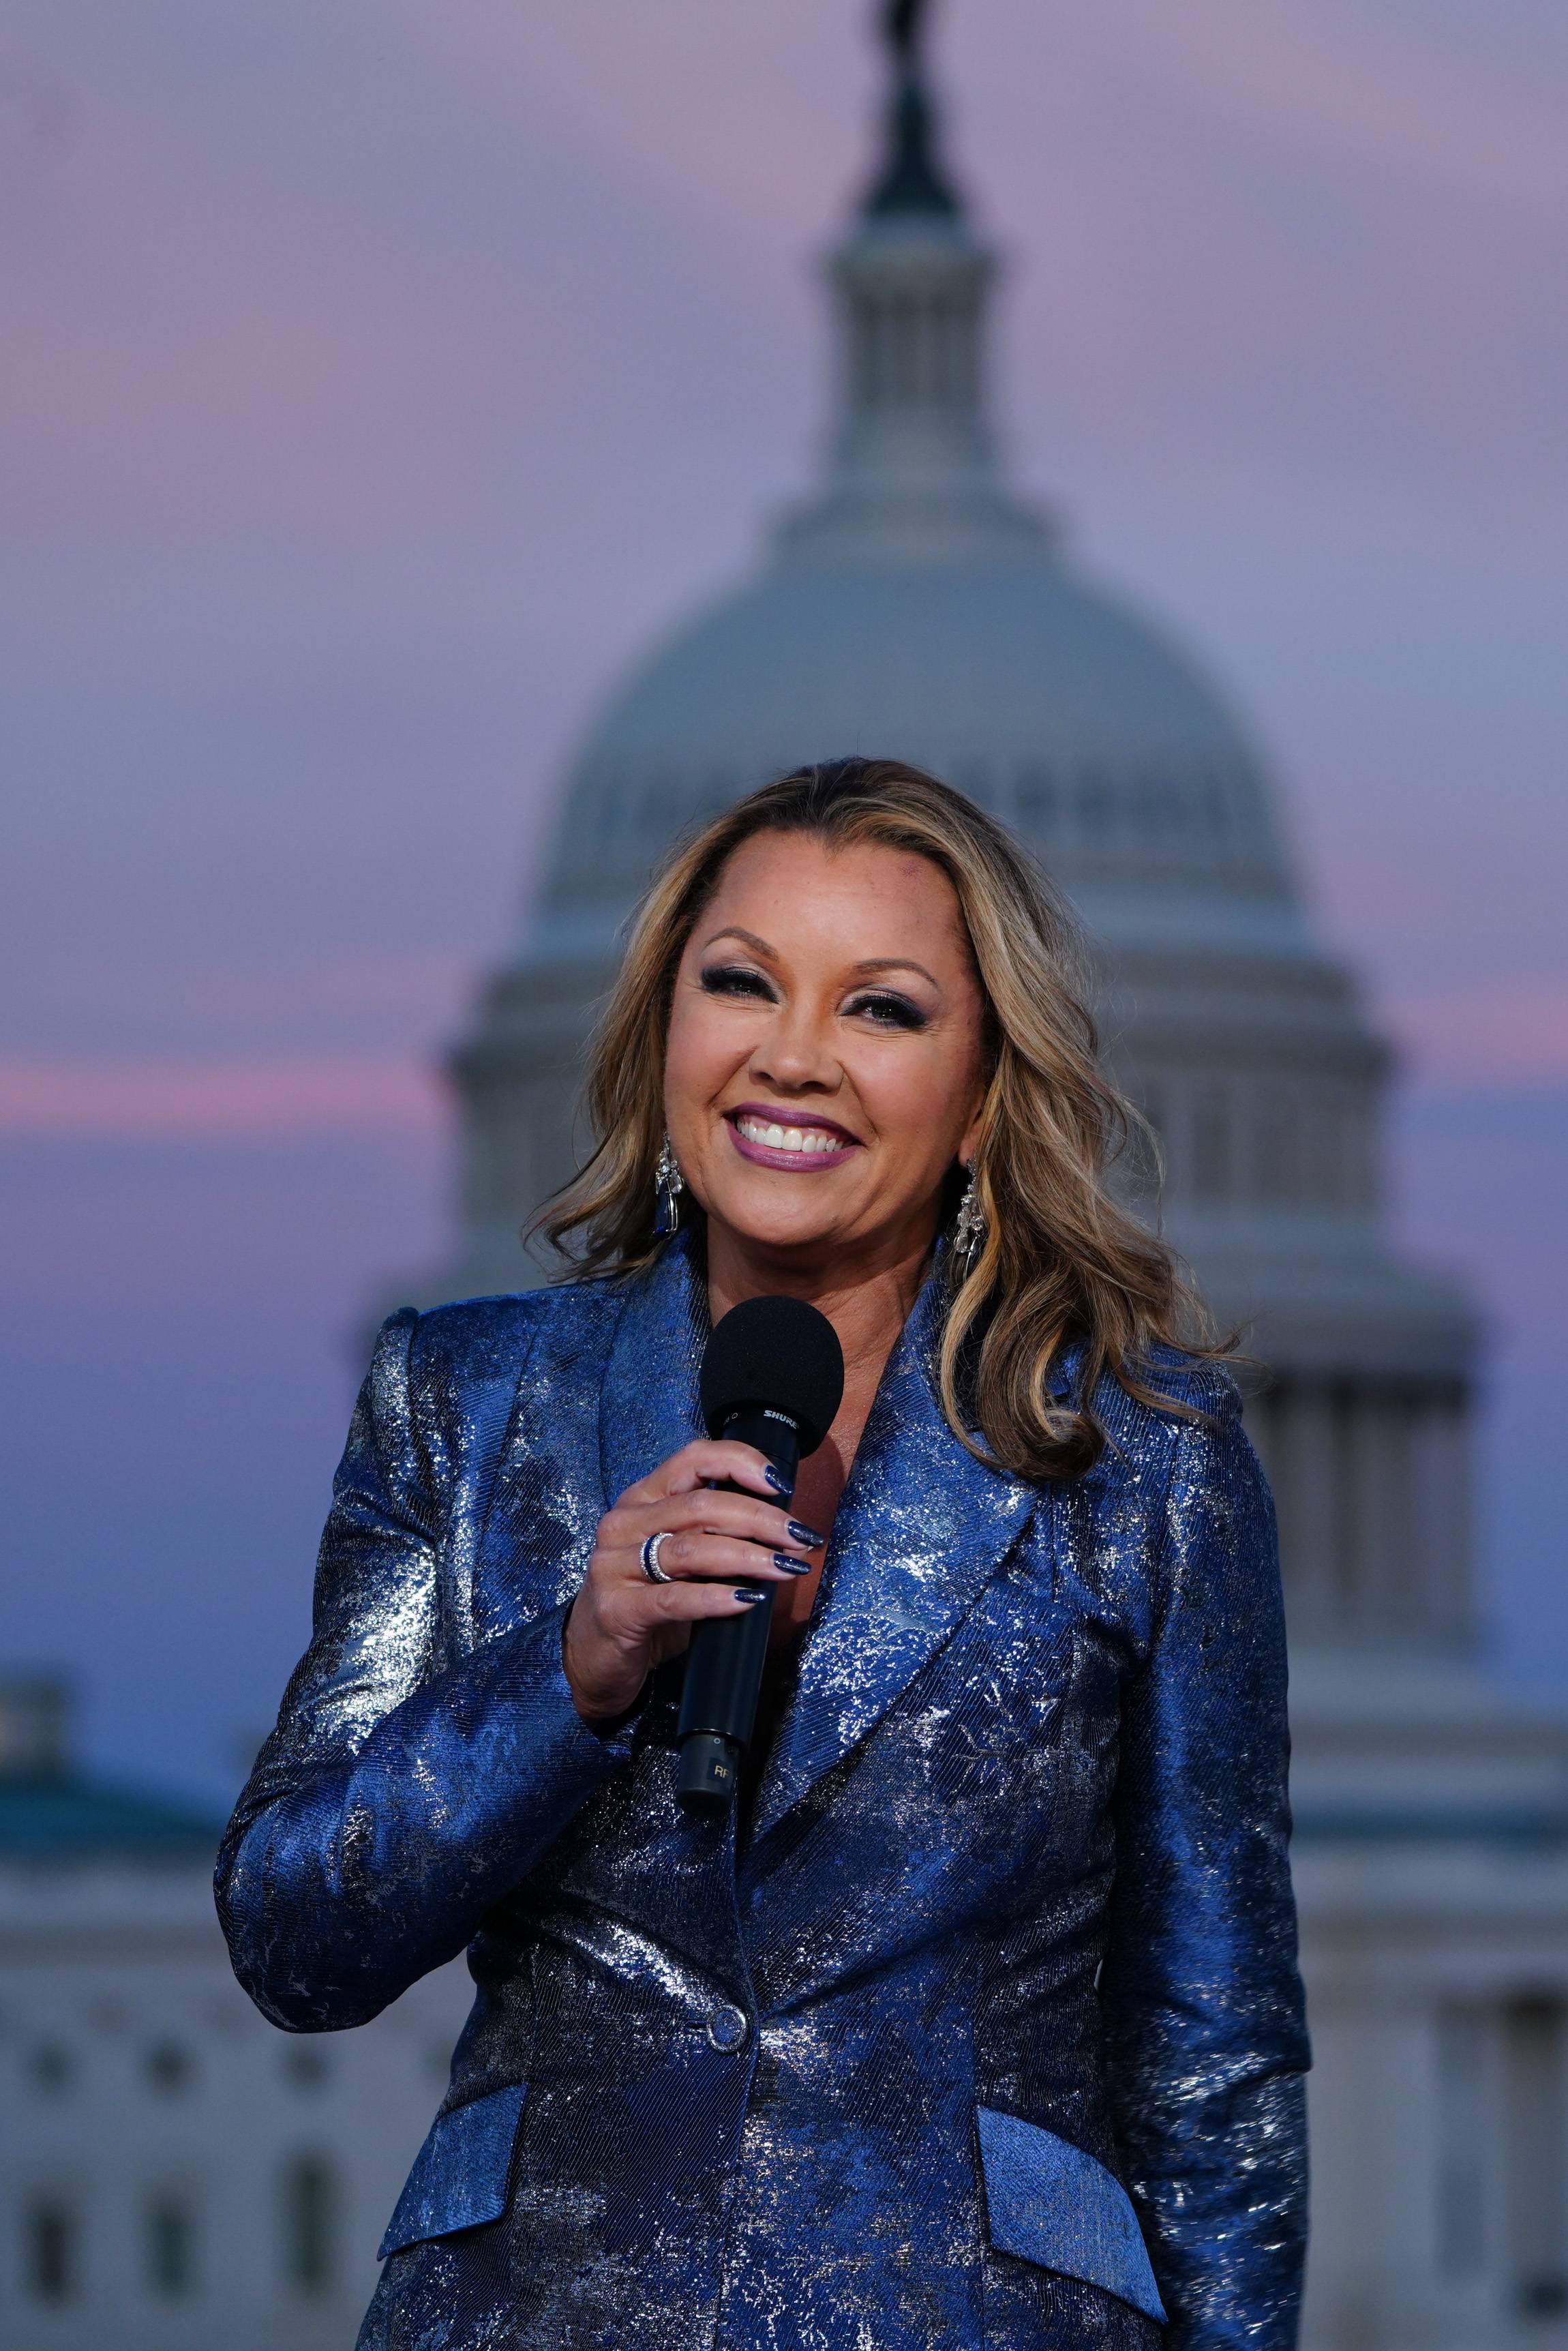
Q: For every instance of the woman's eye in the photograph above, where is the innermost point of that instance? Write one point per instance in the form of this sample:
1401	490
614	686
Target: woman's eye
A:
735	979
888	1011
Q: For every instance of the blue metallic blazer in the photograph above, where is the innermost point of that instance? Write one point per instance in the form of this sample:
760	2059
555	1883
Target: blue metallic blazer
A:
990	2032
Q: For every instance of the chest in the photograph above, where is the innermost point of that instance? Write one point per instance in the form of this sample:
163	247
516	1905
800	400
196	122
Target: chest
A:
820	1484
983	1784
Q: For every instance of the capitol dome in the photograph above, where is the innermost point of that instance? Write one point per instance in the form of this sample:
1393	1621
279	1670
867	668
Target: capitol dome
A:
917	608
1065	715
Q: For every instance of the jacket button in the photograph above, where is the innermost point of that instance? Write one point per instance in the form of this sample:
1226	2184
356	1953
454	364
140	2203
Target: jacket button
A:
727	2028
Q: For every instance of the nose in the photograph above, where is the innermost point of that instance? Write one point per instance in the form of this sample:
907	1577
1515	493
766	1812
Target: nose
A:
795	1055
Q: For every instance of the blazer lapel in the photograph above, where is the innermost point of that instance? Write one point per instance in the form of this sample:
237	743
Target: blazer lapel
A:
609	1393
921	1530
649	1408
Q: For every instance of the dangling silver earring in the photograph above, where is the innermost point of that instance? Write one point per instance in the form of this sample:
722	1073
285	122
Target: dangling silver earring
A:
968	1230
668	1186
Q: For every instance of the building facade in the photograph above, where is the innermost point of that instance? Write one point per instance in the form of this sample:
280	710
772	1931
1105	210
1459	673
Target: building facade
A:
175	2174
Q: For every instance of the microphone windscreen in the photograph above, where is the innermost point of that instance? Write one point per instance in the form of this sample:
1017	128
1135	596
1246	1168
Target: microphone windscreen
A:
777	1353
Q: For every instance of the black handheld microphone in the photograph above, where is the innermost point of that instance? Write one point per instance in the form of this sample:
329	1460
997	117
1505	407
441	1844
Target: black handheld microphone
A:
772	1377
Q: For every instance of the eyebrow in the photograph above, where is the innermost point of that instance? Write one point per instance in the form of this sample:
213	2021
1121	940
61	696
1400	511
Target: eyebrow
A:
897	963
871	963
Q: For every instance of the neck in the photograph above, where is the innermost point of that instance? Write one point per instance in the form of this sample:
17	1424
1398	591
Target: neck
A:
866	1297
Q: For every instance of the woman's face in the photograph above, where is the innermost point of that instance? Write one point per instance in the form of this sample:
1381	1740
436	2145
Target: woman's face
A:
825	1061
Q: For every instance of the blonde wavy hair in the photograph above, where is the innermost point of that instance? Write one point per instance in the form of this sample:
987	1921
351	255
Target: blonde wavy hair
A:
1062	1260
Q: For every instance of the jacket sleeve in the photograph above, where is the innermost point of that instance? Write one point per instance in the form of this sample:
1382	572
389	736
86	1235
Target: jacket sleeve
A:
1203	2006
402	1793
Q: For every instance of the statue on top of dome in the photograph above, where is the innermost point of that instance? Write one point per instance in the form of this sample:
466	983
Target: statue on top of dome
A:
904	22
912	180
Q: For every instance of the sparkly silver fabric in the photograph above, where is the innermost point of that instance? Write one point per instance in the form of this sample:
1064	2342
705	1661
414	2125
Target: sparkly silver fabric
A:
1012	1898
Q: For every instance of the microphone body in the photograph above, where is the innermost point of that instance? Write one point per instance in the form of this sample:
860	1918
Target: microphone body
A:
725	1662
772	1377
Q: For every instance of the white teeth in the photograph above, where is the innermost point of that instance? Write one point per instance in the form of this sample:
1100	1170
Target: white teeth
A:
800	1139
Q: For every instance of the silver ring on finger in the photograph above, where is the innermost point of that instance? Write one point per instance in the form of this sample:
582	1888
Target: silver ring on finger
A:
651	1568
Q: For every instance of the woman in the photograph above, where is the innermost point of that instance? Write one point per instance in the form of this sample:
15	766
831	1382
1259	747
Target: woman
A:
980	2026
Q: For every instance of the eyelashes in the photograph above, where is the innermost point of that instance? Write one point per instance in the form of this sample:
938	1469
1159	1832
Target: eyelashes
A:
735	979
888	1011
882	1007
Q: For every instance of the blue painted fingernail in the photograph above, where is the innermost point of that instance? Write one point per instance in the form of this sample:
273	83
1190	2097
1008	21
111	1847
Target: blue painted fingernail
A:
790	1564
776	1479
748	1592
806	1535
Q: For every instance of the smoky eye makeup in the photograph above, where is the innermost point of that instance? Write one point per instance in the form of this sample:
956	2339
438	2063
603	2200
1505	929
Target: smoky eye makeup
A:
880	1007
884	1007
737	979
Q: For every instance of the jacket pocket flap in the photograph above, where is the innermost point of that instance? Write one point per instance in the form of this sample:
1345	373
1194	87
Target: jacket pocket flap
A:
1049	2202
459	2176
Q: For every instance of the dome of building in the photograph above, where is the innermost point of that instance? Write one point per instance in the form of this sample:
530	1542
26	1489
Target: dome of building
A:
1053	705
917	609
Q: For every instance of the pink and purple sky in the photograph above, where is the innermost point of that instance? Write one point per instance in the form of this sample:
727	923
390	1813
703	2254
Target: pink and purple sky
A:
379	379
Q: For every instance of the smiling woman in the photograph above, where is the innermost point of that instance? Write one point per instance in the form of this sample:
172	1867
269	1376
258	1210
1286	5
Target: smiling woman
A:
858	957
977	2021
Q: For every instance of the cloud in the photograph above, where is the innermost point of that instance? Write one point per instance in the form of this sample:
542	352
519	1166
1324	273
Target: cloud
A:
268	1098
331	1003
1388	92
1508	1035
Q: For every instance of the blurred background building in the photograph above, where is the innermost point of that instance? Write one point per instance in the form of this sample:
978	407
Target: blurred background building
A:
174	2174
918	607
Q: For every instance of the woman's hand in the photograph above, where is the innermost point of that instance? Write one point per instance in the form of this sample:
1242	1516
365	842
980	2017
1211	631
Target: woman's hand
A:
621	1625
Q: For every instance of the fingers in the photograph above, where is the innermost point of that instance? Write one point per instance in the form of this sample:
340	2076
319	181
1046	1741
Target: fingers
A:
710	1458
715	1544
698	1554
718	1548
626	1612
706	1510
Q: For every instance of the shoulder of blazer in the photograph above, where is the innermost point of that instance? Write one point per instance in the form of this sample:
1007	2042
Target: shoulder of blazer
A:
464	1371
455	1373
1197	1403
1185	1388
478	1340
